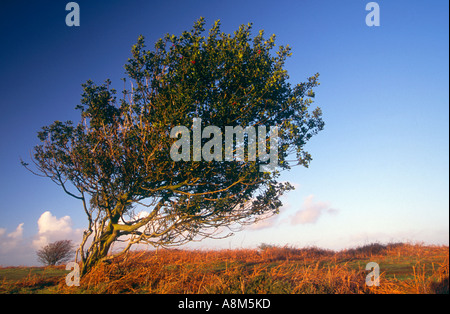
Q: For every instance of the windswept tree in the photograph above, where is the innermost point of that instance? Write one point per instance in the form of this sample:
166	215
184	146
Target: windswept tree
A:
55	253
116	160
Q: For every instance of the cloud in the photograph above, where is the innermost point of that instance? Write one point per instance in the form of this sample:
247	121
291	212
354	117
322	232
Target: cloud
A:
9	242
11	238
311	211
141	214
51	228
15	249
17	234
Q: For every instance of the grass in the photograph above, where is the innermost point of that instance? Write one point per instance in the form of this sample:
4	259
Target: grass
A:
405	268
16	273
31	279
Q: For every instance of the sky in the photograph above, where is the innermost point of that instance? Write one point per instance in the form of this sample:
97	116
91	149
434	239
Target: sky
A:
380	169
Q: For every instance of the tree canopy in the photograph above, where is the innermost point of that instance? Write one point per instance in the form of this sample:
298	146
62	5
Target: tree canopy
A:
56	252
116	160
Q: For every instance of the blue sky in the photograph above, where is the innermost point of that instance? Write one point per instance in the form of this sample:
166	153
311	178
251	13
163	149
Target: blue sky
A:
379	170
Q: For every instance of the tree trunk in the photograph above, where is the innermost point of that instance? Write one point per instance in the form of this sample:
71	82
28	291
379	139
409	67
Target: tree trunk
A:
98	253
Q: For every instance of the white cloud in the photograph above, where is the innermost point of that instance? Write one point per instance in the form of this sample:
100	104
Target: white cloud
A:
51	228
10	241
15	249
48	223
311	211
16	234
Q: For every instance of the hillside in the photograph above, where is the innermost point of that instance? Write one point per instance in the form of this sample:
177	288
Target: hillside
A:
404	268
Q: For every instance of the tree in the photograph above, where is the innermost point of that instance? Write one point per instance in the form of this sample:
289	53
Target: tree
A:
56	253
117	159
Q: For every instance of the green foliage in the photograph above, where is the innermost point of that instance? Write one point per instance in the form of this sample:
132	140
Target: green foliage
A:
117	157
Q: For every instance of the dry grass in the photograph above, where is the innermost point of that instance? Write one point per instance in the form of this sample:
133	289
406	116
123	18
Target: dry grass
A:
405	268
